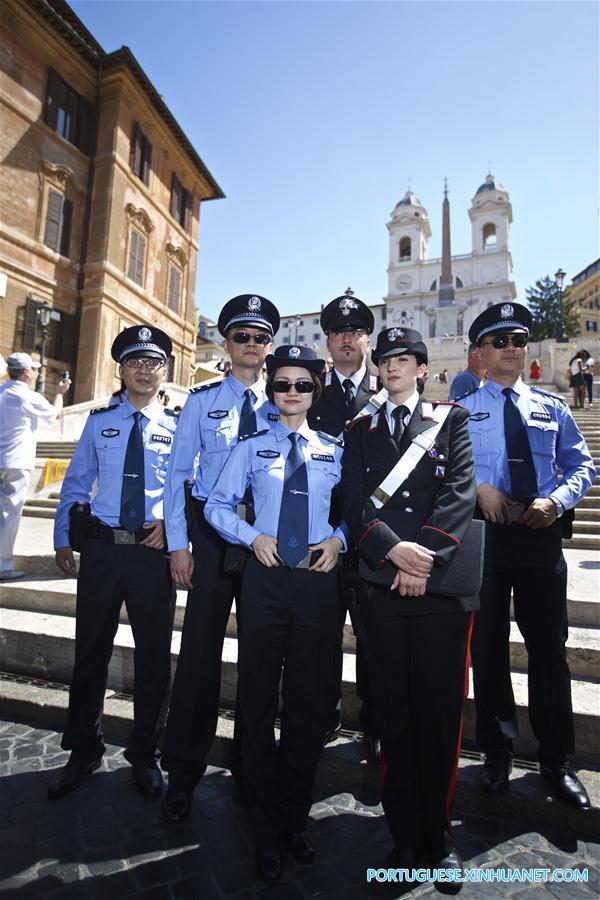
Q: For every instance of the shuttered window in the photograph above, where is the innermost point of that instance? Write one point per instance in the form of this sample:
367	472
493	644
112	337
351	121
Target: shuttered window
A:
57	234
137	253
174	289
69	114
182	203
141	155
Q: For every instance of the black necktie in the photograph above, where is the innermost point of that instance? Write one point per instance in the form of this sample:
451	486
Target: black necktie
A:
348	391
399	414
520	461
247	415
133	495
292	533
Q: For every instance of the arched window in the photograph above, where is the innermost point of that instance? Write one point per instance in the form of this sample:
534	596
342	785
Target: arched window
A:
489	236
404	248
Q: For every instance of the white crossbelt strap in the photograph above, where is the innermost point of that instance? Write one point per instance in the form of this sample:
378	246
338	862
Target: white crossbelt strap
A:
373	406
408	461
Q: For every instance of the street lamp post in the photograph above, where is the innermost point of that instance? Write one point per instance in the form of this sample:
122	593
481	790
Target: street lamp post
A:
295	324
44	314
562	335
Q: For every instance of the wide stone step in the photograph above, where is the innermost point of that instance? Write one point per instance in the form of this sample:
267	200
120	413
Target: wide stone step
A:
42	502
55	449
588	515
343	765
589	502
42	646
586	526
38	512
582	542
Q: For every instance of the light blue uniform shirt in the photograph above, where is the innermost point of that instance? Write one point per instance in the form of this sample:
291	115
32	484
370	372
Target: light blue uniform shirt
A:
206	434
462	384
556	442
259	462
97	465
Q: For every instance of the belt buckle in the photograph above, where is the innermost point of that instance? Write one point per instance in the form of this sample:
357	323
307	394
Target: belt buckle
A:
304	563
123	537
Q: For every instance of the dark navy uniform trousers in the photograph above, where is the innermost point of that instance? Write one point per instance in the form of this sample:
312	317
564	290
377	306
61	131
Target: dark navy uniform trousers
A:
109	576
291	621
530	563
193	716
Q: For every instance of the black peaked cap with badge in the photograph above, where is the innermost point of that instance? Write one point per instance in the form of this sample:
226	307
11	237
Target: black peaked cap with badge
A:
398	342
303	357
249	309
141	340
498	318
346	313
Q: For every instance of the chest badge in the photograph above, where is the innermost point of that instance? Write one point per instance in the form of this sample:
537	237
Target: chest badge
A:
479	417
268	454
218	414
440	471
110	432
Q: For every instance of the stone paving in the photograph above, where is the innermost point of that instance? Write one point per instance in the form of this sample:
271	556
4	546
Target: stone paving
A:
105	840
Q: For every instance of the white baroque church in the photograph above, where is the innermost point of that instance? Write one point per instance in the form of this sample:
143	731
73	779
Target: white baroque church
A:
441	297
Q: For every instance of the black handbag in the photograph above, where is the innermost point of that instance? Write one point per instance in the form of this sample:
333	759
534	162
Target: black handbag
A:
461	578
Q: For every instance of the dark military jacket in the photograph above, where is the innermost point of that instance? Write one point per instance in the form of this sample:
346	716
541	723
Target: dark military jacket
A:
330	414
433	507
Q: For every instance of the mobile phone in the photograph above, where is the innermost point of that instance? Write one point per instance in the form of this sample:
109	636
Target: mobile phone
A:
64	376
315	557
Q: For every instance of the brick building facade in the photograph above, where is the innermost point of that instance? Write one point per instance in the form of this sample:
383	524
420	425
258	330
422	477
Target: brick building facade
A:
101	194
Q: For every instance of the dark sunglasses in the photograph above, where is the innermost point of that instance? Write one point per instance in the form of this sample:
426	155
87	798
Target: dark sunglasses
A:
302	387
500	341
242	337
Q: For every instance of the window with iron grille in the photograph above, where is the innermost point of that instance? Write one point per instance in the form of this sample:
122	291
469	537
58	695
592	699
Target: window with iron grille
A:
57	233
137	254
68	113
141	155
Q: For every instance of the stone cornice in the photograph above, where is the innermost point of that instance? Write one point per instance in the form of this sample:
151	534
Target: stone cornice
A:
140	218
60	176
176	254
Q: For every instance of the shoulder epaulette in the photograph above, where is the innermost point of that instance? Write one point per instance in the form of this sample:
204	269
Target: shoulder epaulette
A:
548	394
171	413
444	403
366	418
102	409
205	387
462	396
329	437
253	434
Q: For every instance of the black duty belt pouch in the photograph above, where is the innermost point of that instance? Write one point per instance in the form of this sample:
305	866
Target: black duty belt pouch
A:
190	506
236	555
461	578
79	516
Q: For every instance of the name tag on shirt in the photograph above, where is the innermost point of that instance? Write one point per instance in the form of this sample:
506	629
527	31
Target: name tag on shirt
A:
273	417
268	454
322	457
110	432
163	438
541	416
218	414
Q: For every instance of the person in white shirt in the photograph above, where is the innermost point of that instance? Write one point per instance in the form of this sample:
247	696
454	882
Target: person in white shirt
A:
21	410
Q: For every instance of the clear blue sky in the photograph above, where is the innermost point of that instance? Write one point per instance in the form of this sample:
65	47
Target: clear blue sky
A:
313	115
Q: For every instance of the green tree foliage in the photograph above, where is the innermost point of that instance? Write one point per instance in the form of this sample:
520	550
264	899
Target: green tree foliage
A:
544	302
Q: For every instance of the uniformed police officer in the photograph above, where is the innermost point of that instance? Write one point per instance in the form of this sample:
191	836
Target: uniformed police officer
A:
123	451
521	437
347	388
212	419
289	603
416	640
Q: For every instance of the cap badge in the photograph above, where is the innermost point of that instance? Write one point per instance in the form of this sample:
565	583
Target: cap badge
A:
395	333
254	304
346	305
507	311
144	334
294	352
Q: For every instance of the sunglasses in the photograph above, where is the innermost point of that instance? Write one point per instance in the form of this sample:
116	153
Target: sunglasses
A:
500	341
283	387
242	337
142	361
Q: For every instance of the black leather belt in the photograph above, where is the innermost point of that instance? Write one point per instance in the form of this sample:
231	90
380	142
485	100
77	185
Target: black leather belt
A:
98	531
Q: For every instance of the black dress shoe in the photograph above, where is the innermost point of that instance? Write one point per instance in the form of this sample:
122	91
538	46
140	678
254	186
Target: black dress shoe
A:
148	779
451	862
72	775
299	845
177	805
333	734
496	769
567	785
269	865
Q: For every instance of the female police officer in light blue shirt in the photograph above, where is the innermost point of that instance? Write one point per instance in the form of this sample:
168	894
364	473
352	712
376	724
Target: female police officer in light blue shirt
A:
289	603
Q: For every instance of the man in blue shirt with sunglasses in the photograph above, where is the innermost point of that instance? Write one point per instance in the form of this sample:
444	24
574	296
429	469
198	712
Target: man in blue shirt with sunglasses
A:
522	437
212	419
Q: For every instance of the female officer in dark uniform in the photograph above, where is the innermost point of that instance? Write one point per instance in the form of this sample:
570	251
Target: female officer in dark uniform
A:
289	603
